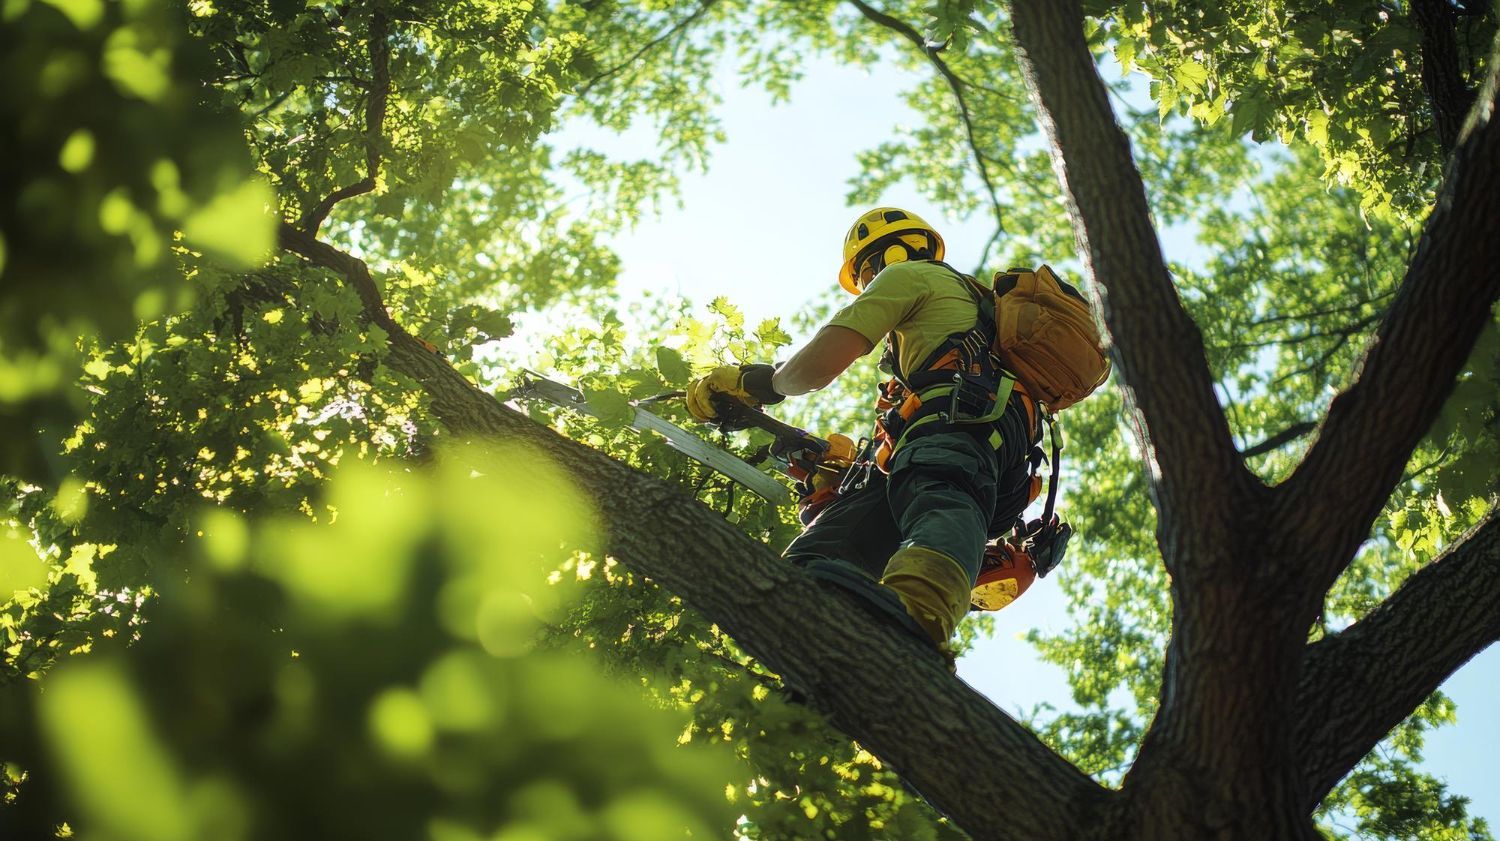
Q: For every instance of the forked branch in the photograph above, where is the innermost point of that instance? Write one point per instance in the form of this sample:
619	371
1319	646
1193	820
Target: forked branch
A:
1411	363
375	108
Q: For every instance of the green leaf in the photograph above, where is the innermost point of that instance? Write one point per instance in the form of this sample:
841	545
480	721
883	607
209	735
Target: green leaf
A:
769	331
1317	127
1251	113
493	324
731	313
1166	99
610	406
1191	75
1125	55
673	368
97	368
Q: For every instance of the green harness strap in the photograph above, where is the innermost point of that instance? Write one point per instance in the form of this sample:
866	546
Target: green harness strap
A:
1002	400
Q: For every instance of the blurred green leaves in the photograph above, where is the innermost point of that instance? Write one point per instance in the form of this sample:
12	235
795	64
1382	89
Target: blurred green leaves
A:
20	566
235	226
125	785
110	150
380	713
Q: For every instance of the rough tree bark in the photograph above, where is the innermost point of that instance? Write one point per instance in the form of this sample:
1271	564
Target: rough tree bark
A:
1442	80
1220	761
1358	684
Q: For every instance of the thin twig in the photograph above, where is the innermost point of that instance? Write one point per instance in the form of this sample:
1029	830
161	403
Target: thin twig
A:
1344	332
984	256
1317	364
649	46
1442	458
955	83
1300	316
273	103
1285	436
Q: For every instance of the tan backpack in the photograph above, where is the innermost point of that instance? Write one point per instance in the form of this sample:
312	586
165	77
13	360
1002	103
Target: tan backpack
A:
1045	334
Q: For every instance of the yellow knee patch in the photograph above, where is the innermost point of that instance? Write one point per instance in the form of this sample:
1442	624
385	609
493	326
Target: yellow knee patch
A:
933	588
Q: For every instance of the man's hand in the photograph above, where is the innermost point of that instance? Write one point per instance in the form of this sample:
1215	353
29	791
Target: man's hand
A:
748	384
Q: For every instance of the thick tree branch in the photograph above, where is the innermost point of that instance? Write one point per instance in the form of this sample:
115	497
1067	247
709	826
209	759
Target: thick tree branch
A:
1217	755
375	108
1156	346
354	271
1358	684
962	752
1442	78
981	160
1412	361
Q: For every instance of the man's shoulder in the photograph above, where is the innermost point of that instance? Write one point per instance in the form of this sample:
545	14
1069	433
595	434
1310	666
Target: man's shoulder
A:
925	269
924	272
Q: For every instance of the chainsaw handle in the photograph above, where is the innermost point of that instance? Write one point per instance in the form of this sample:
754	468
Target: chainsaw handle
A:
731	415
734	416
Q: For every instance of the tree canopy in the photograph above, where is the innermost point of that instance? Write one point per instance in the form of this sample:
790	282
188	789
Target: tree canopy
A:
283	558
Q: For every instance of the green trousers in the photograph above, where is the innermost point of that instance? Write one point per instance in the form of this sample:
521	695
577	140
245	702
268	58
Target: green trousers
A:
940	495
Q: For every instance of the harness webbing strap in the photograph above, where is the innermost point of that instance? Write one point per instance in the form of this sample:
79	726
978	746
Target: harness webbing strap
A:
1002	400
943	387
907	430
927	395
1056	467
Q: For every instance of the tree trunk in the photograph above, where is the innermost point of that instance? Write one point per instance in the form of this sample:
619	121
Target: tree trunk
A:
1220	760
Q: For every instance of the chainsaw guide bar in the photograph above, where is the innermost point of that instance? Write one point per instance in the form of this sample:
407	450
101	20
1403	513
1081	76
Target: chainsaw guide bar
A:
534	386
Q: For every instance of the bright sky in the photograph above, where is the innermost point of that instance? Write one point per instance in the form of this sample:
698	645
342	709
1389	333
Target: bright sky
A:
783	174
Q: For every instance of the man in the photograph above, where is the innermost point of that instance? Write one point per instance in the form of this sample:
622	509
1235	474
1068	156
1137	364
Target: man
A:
950	466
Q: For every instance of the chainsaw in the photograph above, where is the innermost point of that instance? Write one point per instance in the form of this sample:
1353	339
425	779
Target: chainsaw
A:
537	387
819	466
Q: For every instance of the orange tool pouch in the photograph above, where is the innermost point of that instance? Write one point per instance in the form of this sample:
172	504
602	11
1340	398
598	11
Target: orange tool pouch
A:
1005	573
818	482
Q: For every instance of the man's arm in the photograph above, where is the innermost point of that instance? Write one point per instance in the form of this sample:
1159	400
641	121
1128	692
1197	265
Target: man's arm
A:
818	362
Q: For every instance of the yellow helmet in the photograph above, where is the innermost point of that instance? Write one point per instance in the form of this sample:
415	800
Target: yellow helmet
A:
878	229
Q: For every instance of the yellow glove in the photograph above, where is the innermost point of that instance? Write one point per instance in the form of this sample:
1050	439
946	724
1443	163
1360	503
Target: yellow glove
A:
747	384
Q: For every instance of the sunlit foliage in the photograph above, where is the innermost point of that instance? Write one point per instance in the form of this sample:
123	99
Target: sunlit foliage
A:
244	554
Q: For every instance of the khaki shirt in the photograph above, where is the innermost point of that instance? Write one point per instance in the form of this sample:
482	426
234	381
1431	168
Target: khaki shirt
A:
921	302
